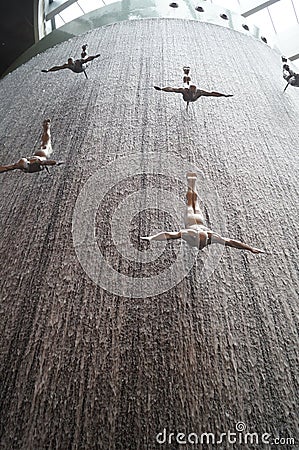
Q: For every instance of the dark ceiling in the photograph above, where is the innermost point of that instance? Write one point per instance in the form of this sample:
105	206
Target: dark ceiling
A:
16	30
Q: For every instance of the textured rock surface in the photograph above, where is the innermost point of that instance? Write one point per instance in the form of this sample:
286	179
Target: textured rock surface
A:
83	368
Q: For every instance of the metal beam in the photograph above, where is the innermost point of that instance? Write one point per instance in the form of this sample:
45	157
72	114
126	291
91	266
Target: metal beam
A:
249	7
294	57
57	6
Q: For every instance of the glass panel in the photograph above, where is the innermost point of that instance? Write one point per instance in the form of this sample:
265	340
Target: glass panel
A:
58	21
233	5
107	2
71	13
90	5
283	15
296	6
262	20
74	11
296	64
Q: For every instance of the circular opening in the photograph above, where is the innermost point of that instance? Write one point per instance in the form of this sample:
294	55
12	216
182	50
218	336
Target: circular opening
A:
224	16
199	9
173	5
264	39
246	27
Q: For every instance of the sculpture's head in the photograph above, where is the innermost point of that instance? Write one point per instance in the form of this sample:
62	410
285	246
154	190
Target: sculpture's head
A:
192	88
70	61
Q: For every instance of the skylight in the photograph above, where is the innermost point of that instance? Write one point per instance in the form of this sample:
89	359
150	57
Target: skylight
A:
274	18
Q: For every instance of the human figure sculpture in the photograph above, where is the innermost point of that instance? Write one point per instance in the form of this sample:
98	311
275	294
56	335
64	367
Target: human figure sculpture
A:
39	161
191	93
195	233
289	75
77	66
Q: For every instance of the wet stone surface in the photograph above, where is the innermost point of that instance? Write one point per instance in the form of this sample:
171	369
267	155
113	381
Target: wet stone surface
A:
82	368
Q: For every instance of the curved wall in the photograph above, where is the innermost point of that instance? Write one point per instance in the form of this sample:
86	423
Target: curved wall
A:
83	368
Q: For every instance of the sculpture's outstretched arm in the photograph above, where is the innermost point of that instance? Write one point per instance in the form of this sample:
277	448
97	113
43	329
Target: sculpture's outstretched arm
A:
164	236
51	162
202	93
55	68
9	167
216	239
170	89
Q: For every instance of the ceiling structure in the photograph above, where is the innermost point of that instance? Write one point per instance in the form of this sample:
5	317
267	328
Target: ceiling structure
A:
20	28
278	20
